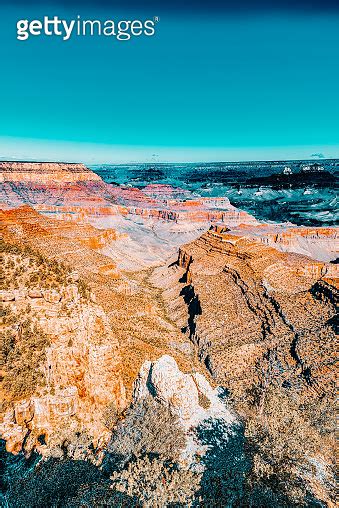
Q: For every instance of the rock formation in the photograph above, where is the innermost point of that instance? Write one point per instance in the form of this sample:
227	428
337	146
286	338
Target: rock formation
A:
49	173
318	243
97	346
79	369
189	396
274	318
161	216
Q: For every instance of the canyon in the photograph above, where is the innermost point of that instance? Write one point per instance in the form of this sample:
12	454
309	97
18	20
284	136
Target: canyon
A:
158	291
268	302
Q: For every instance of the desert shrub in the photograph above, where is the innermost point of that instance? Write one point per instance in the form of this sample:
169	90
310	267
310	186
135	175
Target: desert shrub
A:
41	483
100	495
322	414
280	444
22	353
156	483
148	428
7	315
68	444
53	483
84	290
7	346
110	415
26	267
203	400
144	447
263	462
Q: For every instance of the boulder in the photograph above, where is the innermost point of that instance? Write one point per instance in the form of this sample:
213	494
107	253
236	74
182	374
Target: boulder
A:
189	396
7	296
35	293
52	296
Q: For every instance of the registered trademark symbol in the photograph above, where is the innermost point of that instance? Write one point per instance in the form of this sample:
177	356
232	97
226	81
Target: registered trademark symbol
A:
156	19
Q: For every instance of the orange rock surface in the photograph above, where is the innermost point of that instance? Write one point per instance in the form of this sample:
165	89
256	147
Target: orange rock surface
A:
96	348
244	304
268	302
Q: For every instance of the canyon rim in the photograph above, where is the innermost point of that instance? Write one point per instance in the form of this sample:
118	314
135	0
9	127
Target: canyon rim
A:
162	347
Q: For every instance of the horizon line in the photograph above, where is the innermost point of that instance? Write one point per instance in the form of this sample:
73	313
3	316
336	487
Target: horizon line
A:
319	160
243	161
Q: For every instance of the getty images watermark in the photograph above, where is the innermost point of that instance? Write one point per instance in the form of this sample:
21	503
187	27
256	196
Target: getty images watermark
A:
122	30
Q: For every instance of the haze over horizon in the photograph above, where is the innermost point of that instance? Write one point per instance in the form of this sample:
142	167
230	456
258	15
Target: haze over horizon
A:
58	151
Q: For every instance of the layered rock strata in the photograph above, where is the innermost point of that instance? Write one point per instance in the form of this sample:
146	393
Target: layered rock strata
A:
318	243
75	372
72	190
96	348
248	307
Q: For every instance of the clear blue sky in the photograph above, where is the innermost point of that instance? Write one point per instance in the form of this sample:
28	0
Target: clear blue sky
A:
221	83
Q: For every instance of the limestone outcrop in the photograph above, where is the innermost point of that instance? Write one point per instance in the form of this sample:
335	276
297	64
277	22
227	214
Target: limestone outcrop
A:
318	243
45	172
82	377
189	396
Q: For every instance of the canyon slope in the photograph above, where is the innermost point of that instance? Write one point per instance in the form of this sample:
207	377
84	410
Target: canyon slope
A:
264	322
269	303
96	342
159	216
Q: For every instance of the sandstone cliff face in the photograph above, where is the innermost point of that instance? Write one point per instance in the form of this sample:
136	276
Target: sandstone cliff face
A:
263	322
78	370
96	348
67	189
318	243
77	244
45	172
159	216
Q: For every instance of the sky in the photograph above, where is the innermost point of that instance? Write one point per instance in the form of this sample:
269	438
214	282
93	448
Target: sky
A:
217	81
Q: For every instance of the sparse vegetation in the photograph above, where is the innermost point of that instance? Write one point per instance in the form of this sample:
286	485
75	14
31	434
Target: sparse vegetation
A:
267	461
84	290
145	448
23	267
23	344
22	353
69	444
110	416
148	428
157	483
282	445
